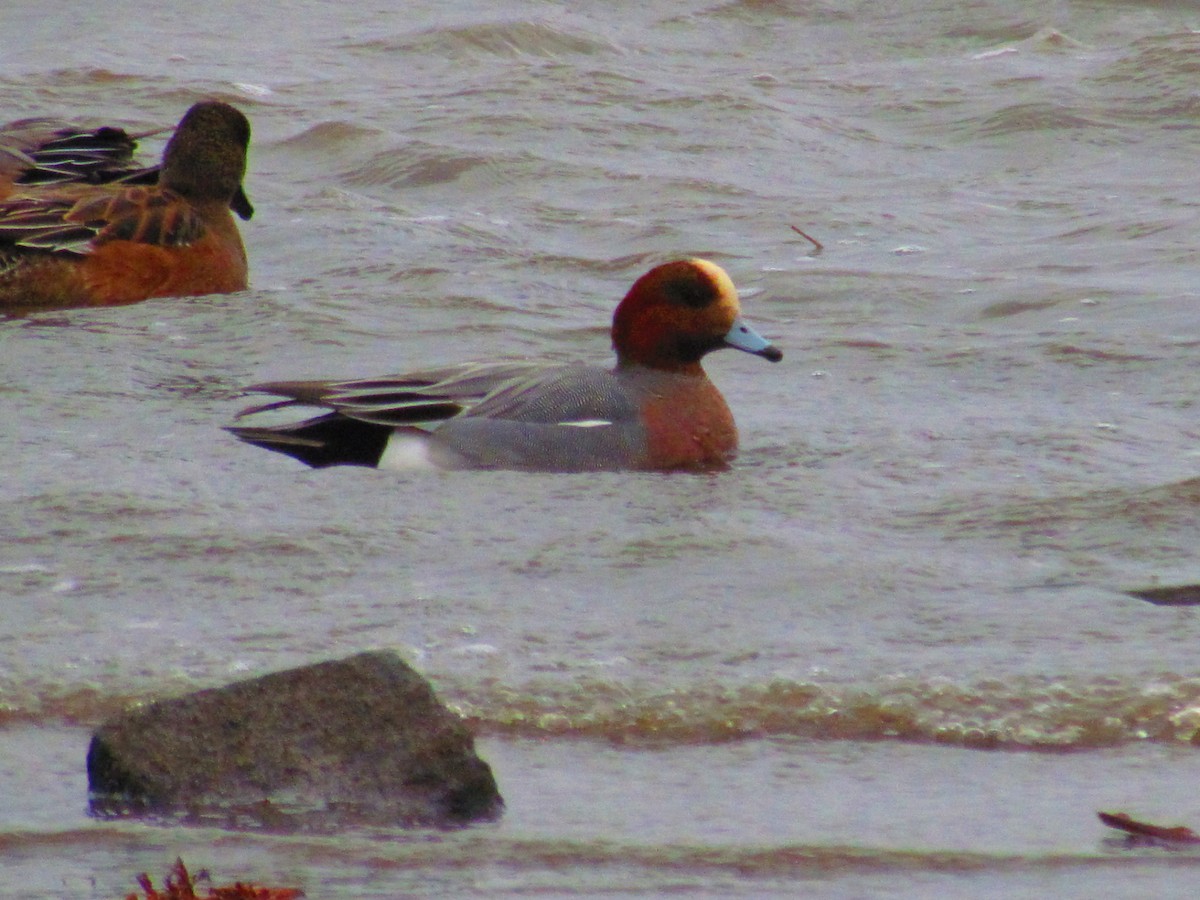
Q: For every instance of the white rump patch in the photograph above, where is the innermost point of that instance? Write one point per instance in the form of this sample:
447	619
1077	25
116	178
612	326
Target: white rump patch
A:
406	451
587	423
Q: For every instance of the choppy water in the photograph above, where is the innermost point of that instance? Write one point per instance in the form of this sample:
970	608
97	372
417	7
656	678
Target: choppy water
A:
789	678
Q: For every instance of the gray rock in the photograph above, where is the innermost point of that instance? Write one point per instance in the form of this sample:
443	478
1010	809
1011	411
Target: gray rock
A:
1168	594
356	741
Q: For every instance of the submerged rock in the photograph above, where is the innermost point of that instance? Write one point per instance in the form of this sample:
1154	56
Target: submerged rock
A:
362	740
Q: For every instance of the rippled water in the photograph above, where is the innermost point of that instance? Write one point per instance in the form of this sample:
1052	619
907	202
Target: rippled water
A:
788	678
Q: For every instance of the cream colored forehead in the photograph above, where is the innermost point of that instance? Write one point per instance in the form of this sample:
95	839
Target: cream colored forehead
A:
719	277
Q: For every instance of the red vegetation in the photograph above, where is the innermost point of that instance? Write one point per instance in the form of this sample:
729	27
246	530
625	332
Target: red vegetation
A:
179	886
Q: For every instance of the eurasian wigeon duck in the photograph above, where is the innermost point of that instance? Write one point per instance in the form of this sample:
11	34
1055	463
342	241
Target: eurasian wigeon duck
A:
656	409
80	241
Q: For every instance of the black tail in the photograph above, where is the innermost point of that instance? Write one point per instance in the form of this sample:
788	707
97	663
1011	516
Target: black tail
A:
330	440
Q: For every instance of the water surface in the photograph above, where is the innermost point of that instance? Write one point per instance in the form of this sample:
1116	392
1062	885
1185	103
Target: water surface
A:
888	653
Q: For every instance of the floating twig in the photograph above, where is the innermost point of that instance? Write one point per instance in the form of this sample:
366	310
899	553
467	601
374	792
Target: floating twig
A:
808	237
1176	834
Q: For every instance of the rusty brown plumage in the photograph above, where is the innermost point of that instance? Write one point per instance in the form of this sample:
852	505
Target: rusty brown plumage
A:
81	243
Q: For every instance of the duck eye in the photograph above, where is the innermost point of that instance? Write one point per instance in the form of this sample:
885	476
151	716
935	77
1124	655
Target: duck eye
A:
693	294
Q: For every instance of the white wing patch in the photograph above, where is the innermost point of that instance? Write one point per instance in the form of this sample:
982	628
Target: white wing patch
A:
587	423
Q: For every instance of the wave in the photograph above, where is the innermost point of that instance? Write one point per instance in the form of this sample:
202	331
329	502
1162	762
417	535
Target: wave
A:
505	39
1034	713
417	850
1154	84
